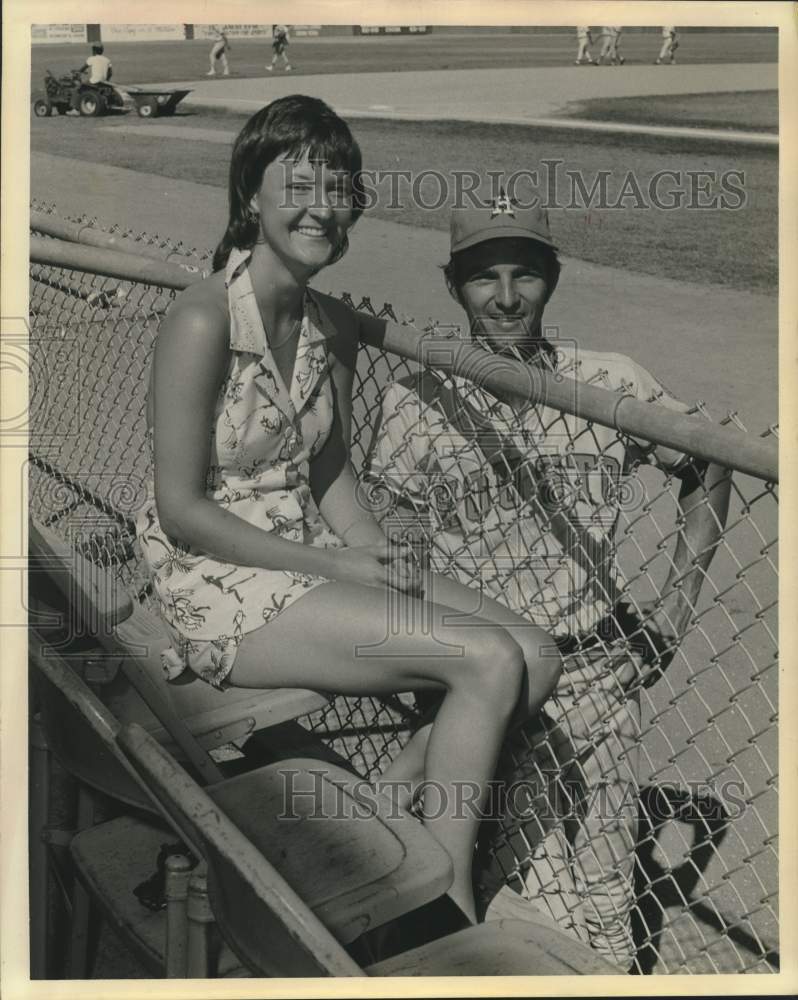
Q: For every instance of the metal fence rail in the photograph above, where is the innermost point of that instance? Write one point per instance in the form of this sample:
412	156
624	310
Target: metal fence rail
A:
691	731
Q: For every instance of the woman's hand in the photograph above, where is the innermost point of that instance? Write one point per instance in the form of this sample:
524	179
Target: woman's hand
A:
380	565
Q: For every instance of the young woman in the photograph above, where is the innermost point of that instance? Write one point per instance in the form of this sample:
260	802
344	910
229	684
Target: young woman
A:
268	571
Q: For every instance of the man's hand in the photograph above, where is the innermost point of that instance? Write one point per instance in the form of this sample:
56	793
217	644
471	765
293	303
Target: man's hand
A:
656	629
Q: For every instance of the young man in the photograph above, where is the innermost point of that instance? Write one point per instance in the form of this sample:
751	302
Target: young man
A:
100	71
585	40
98	66
279	45
522	502
218	53
670	43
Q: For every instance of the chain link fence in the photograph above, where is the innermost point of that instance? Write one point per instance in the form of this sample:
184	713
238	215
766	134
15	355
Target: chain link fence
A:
641	811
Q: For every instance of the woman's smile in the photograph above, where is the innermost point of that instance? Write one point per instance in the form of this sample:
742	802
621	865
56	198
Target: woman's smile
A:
314	232
305	210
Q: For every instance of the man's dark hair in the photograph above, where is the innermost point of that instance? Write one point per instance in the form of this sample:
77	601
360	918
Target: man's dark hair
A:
462	265
97	50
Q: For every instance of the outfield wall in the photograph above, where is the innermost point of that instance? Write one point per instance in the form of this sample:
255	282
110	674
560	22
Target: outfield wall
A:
87	33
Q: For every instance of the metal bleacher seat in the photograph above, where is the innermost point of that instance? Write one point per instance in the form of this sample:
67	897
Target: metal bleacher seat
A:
79	611
356	870
270	927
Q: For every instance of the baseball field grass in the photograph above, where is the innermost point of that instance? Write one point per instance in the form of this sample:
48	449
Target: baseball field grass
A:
755	110
187	60
736	248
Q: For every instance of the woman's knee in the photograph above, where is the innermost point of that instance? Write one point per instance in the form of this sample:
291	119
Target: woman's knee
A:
546	673
493	668
543	664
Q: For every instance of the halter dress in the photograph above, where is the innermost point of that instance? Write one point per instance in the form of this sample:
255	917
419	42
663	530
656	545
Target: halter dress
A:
263	437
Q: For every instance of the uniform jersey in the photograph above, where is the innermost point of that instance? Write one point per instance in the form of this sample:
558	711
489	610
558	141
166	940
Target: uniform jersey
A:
280	39
99	68
523	503
668	32
582	33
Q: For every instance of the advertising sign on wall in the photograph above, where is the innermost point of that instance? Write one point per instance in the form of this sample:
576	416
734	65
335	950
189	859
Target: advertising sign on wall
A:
142	32
391	29
233	30
40	33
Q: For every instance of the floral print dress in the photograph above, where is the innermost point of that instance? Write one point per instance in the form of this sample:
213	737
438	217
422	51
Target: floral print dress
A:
263	437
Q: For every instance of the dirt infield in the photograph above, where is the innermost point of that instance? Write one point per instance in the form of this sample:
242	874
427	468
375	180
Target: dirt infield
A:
513	96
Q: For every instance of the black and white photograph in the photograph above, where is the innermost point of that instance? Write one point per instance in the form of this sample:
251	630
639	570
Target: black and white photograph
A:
396	447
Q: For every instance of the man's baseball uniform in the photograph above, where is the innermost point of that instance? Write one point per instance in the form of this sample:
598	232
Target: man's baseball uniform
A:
669	45
525	505
585	40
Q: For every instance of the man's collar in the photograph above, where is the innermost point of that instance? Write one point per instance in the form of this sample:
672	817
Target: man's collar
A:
539	352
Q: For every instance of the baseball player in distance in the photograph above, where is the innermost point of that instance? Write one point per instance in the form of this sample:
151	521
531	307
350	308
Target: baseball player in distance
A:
609	50
218	53
532	498
279	45
670	43
585	40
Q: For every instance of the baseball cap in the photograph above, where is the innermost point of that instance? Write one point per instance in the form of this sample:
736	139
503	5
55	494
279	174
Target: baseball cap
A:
496	217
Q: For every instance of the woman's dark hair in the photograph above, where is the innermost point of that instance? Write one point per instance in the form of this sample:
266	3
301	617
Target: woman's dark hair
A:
462	265
289	126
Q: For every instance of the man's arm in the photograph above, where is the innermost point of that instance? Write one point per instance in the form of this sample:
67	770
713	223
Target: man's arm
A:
704	505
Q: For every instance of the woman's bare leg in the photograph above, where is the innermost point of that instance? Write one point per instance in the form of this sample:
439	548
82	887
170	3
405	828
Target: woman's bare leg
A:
406	771
336	638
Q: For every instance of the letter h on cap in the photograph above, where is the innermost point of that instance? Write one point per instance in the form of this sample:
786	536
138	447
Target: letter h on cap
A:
502	205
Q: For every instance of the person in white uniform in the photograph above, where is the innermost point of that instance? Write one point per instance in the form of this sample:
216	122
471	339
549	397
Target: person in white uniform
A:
522	504
218	53
584	40
670	43
280	43
609	49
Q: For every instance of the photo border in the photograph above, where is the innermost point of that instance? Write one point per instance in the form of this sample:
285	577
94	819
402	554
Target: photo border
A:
18	16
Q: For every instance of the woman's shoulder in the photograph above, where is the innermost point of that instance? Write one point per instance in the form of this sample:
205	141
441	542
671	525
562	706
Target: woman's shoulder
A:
201	311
